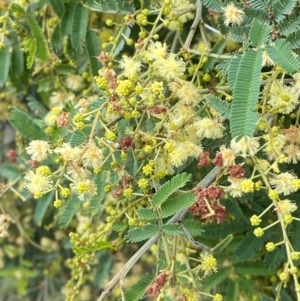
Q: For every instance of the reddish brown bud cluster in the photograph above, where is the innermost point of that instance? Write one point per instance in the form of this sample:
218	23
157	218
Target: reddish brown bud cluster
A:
63	119
158	110
218	160
126	142
33	163
154	289
204	159
12	155
208	195
103	58
125	183
236	172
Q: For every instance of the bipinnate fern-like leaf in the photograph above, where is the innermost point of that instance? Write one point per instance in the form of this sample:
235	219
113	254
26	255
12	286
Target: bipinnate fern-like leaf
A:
119	226
142	233
214	5
121	41
289	25
26	125
77	138
217	49
96	201
245	94
232	291
169	188
274	259
246	286
68	18
111	6
136	291
93	49
248	247
58	6
193	226
172	206
69	211
281	8
253	269
5	61
131	163
281	54
232	69
146	214
42	49
259	4
294	39
30	46
239	34
221	106
172	229
259	33
79	27
212	281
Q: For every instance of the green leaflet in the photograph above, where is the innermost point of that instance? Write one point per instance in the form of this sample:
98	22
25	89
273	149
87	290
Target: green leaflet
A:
169	188
26	125
214	5
42	49
282	55
42	206
131	163
233	206
97	200
5	54
253	269
94	49
136	291
247	287
121	42
222	107
79	27
172	229
119	226
193	226
17	59
58	6
259	33
274	259
281	8
177	204
103	269
111	6
69	211
30	46
245	94
142	233
232	291
217	49
212	281
77	138
248	247
146	214
68	17
289	25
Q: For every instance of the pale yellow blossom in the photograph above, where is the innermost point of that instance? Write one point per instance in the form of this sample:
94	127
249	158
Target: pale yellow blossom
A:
38	150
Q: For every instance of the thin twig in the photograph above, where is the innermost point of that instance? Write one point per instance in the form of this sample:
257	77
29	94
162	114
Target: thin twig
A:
210	177
193	28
